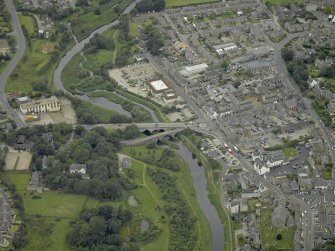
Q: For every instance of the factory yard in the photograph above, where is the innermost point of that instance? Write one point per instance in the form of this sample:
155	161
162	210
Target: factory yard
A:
136	78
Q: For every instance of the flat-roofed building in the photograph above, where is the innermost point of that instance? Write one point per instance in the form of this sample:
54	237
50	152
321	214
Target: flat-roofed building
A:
41	106
194	69
158	86
161	89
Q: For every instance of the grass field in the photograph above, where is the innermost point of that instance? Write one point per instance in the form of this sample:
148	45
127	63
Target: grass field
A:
133	28
268	233
3	65
29	23
49	217
176	3
327	174
72	72
27	71
290	152
185	186
84	23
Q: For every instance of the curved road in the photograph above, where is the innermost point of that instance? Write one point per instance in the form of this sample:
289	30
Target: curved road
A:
80	46
15	60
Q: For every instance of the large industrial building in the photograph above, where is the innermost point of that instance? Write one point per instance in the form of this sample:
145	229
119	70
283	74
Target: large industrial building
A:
40	106
160	89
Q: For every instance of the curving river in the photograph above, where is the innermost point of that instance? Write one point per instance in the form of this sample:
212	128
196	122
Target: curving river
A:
200	186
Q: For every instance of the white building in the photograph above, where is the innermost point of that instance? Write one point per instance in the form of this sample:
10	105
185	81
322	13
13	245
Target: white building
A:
78	168
264	161
40	106
194	69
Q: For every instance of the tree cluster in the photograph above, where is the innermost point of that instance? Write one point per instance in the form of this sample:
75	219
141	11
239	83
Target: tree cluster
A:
99	42
329	72
182	222
103	228
299	72
154	39
97	150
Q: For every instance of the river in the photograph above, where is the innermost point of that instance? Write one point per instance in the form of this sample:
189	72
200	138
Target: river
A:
200	186
105	103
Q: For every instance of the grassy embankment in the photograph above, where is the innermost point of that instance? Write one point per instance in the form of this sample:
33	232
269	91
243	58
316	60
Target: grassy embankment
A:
176	3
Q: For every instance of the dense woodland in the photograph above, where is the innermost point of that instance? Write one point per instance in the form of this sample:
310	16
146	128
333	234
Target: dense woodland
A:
104	228
150	5
181	220
96	148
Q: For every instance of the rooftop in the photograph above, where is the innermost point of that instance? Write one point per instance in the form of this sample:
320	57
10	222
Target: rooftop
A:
159	85
40	102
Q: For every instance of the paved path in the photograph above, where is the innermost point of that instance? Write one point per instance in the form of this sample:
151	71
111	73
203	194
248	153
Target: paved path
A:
21	45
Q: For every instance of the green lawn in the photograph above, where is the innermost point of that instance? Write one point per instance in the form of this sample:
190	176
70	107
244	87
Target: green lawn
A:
290	152
175	3
268	233
327	174
253	203
133	28
95	61
29	23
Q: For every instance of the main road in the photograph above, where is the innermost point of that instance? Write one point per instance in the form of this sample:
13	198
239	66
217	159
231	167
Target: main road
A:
21	45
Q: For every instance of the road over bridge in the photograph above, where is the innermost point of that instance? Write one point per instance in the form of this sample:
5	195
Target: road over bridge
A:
152	138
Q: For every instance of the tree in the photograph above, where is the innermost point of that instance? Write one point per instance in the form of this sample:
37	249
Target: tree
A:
279	237
131	132
328	10
287	54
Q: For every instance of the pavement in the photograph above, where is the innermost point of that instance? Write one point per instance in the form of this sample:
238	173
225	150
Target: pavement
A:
21	45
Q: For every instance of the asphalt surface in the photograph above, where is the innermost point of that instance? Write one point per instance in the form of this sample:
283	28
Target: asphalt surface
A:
21	44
